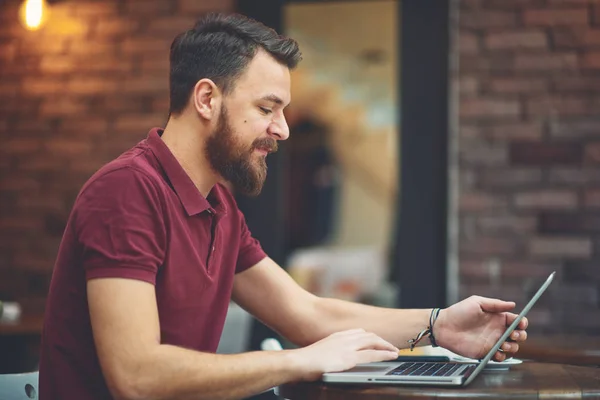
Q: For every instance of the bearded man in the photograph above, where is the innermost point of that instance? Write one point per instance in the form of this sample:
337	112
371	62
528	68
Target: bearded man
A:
155	248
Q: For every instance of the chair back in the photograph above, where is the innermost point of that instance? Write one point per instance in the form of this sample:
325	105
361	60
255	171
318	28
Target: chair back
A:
19	386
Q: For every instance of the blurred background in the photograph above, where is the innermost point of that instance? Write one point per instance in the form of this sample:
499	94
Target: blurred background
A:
438	149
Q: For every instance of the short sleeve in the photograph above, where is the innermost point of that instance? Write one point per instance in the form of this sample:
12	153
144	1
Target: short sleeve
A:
119	224
250	252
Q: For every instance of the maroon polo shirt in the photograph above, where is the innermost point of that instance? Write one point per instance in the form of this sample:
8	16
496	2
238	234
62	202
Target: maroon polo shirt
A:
141	217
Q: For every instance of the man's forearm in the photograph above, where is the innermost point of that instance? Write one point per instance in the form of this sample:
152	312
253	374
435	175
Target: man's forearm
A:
394	325
171	372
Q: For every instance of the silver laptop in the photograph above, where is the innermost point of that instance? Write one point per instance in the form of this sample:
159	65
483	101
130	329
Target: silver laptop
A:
446	373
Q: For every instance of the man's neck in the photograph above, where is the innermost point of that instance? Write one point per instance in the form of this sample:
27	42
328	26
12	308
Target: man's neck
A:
187	145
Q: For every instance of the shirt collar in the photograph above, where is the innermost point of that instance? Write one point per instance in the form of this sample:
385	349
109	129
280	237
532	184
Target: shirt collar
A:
189	195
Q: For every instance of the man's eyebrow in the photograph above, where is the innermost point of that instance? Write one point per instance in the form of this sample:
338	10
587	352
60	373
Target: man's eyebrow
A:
273	98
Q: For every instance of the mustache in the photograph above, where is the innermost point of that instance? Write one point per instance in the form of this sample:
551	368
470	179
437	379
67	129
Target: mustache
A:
267	144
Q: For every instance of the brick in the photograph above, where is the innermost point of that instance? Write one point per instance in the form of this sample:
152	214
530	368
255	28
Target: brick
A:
85	126
488	246
62	107
92	47
515	40
516	85
131	103
577	37
569	223
561	247
470	4
95	9
161	104
115	27
591	60
79	85
566	61
592	153
509	270
540	153
553	17
204	6
147	46
579	294
19	184
486	19
567	105
546	199
51	64
9	90
581	271
468	85
480	201
20	224
8	51
154	64
505	178
485	108
573	176
104	66
506	224
68	148
491	63
591	198
44	46
478	153
596	14
170	25
67	26
137	123
582	319
579	83
145	7
513	292
148	83
502	131
35	204
41	86
20	146
468	43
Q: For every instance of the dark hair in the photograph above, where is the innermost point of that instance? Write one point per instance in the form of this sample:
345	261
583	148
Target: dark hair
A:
219	47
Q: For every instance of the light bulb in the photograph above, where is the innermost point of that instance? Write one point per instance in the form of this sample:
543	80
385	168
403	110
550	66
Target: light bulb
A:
33	14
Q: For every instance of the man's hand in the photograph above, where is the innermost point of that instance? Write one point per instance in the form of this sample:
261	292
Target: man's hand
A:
342	351
471	327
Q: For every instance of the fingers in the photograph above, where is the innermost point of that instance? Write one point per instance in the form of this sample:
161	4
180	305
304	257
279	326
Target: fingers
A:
368	356
371	341
518	336
495	305
510	317
499	356
510	347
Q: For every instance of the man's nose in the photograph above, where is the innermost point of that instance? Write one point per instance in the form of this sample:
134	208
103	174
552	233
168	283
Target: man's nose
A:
279	129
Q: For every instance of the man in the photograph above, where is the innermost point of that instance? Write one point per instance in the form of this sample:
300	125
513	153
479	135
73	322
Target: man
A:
155	248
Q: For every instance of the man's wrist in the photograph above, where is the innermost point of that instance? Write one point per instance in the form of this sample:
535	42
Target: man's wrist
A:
437	328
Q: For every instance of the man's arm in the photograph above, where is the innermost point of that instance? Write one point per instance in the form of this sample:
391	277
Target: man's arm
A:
136	365
269	293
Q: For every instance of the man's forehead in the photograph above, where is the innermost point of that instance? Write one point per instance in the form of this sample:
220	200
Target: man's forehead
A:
267	79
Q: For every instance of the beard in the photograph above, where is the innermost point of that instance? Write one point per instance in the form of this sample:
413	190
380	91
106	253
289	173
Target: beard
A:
235	161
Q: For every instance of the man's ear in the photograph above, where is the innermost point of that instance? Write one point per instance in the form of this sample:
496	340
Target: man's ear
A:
205	98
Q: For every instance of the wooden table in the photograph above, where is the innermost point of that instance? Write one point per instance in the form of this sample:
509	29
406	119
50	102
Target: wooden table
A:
563	349
523	382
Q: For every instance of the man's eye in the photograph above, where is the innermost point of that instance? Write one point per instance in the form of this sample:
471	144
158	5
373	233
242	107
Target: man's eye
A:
265	110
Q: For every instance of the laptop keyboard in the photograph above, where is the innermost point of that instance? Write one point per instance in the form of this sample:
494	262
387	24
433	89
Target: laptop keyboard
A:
426	369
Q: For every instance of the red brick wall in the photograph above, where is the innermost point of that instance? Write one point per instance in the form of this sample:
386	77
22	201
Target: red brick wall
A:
73	96
529	160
